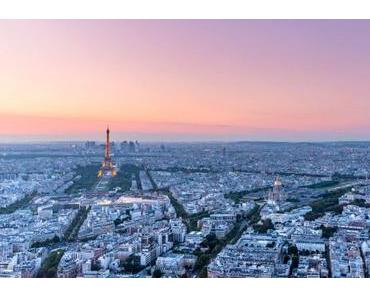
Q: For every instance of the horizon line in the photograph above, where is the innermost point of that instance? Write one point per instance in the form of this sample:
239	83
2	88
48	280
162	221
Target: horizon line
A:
185	141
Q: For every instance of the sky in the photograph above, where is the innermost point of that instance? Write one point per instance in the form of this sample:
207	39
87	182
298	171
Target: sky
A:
185	80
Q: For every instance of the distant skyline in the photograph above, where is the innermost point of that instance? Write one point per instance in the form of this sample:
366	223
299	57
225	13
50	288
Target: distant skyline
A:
185	80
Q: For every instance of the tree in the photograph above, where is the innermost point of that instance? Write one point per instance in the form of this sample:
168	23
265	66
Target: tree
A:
38	244
50	264
157	273
328	232
270	244
95	266
201	261
264	227
295	261
210	241
203	273
131	264
117	221
197	252
292	250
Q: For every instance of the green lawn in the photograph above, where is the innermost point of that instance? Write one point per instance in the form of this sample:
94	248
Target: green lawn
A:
327	202
237	197
123	179
88	177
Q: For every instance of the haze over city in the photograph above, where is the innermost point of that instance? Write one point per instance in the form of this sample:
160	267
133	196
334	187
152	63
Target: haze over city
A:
184	80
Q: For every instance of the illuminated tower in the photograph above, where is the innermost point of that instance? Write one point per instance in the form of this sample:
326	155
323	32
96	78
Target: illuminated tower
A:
275	195
107	167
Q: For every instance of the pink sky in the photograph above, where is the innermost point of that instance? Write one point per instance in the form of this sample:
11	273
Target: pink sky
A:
185	80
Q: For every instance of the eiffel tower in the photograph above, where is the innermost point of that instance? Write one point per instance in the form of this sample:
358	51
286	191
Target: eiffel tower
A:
107	167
